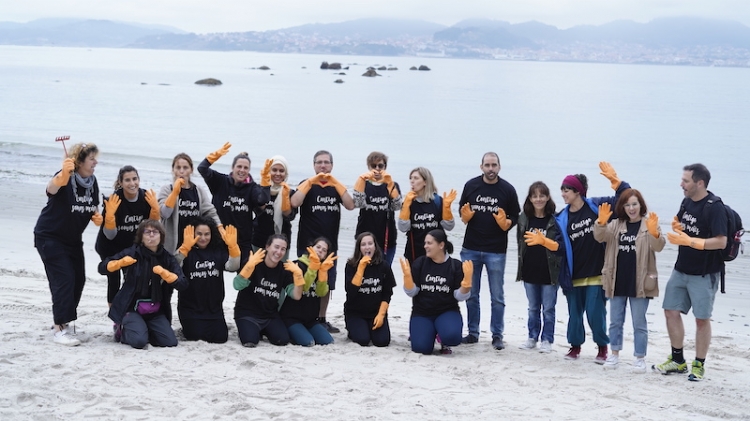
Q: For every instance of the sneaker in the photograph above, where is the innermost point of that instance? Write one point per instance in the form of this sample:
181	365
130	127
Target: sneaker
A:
573	353
117	328
670	366
529	344
63	338
601	357
249	344
497	343
639	366
330	328
445	350
545	347
697	372
469	339
612	362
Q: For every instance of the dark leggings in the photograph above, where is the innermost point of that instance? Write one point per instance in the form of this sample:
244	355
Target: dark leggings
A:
209	330
65	268
138	331
250	330
360	331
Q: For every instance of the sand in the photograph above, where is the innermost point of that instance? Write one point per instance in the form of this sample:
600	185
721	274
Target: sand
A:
102	379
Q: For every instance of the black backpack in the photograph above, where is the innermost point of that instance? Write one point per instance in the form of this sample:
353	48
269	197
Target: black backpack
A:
735	231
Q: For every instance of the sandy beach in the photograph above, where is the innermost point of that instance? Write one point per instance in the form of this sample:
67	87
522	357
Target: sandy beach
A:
102	379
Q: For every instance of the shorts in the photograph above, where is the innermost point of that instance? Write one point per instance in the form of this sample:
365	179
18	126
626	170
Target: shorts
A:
696	291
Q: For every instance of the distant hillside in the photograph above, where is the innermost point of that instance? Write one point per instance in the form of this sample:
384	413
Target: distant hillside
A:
78	32
372	29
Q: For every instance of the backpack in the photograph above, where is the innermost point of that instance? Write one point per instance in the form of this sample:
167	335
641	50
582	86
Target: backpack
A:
735	232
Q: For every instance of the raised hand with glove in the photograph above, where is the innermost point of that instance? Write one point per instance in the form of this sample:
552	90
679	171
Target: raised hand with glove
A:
110	208
265	173
153	202
171	200
296	271
229	235
360	273
166	275
390	184
676	225
609	172
466	213
406	269
63	177
214	156
188	240
336	184
286	204
314	259
468	267
115	265
253	260
448	199
536	238
325	267
652	223
405	213
502	219
605	212
682	239
362	180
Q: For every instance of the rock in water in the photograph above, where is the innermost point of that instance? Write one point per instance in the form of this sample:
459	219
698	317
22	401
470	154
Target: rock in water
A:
370	73
338	81
210	82
423	67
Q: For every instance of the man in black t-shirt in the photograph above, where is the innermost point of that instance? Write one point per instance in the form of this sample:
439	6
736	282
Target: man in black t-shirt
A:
701	232
319	199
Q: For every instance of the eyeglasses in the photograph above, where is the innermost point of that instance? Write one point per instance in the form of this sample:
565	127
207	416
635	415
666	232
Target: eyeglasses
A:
322	162
380	166
150	232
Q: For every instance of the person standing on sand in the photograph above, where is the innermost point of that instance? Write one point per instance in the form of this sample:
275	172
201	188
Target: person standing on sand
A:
124	210
489	208
378	197
581	269
319	199
72	201
629	272
235	195
276	215
700	229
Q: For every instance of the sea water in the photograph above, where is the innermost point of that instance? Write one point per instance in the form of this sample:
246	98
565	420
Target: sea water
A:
544	119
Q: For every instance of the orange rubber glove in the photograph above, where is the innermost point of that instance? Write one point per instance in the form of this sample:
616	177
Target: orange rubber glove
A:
466	213
286	204
214	156
172	198
325	267
265	173
340	188
536	238
360	273
609	172
253	261
150	197
380	318
502	219
361	182
390	184
188	240
110	207
652	223
168	276
406	268
605	212
314	259
676	225
468	268
115	265
290	266
682	239
448	199
405	214
63	177
97	219
229	235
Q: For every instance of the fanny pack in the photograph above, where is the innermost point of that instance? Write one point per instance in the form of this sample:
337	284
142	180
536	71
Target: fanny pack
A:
146	307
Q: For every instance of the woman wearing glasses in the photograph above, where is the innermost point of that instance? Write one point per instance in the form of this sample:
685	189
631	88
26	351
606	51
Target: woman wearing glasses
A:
378	197
141	309
72	201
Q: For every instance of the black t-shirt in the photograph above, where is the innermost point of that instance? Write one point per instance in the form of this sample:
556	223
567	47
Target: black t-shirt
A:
436	282
700	224
535	267
626	261
67	213
482	231
204	271
263	223
189	208
588	254
261	298
425	217
127	218
377	217
306	309
377	286
320	215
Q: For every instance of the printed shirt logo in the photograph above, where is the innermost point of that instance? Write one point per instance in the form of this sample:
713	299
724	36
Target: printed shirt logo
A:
434	283
204	269
579	229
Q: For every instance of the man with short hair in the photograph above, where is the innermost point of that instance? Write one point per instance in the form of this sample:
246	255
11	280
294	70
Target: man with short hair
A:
319	199
701	232
489	208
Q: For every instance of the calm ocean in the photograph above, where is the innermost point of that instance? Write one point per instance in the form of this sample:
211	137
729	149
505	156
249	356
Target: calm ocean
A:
545	120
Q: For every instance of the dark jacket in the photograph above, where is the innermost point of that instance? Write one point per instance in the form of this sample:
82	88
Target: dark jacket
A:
553	258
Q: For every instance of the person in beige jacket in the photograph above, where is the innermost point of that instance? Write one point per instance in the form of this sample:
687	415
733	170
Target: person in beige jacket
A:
629	272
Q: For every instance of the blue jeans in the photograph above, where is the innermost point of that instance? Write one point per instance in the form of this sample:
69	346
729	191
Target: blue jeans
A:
495	263
389	255
423	331
542	300
591	300
638	308
301	335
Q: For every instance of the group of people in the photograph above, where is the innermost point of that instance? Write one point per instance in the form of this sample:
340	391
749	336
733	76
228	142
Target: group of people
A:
597	249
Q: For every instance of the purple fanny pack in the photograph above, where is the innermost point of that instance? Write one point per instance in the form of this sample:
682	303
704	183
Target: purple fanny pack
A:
146	307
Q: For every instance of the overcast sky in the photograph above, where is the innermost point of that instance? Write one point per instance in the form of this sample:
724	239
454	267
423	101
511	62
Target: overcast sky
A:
256	15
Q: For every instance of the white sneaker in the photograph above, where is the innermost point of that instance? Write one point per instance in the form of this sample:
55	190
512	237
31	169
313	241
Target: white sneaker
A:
529	344
612	362
545	347
62	337
639	365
